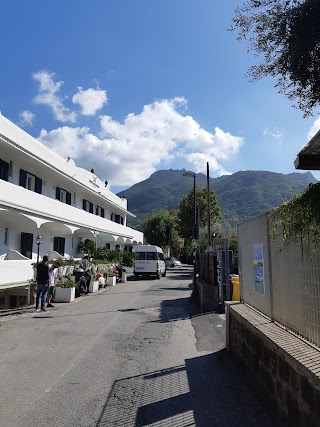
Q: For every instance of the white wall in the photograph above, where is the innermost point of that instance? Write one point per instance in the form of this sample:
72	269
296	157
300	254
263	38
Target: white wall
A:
15	272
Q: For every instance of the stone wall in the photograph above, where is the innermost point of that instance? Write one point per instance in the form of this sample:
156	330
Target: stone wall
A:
284	368
208	296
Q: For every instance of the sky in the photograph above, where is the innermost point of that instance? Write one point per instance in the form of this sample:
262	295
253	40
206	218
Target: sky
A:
129	87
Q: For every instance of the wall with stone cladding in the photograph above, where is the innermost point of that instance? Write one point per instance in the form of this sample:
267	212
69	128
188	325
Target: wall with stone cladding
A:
287	385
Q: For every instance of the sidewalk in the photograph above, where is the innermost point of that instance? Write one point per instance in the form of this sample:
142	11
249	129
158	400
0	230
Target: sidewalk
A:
57	305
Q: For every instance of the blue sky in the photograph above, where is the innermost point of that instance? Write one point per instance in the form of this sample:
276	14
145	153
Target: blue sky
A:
128	87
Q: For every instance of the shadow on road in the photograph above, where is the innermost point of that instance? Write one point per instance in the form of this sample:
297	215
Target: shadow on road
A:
205	391
177	309
180	276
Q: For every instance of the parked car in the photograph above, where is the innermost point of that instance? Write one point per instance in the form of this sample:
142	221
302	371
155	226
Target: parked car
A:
172	262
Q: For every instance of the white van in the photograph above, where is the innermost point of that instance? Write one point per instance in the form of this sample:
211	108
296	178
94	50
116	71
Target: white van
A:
149	261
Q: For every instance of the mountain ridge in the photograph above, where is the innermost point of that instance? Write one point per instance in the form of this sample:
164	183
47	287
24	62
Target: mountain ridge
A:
242	195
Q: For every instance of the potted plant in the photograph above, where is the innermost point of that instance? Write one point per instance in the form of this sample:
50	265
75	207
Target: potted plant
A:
65	290
94	284
111	280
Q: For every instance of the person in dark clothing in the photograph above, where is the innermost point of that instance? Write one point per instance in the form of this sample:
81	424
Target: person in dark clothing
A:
42	283
85	264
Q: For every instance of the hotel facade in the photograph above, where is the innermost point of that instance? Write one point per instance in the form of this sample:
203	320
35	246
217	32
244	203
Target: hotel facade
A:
43	194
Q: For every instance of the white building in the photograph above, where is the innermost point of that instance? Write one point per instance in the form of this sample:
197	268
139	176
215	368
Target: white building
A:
42	193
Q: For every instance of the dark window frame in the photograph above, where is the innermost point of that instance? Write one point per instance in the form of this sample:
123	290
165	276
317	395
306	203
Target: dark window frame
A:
101	211
37	183
59	244
86	203
58	195
4	170
27	245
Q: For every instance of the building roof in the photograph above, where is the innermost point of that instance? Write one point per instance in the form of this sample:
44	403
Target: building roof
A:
309	157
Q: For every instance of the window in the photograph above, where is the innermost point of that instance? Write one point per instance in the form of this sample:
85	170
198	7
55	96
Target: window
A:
59	245
63	195
87	206
152	256
30	181
100	211
117	218
26	244
140	255
4	170
161	257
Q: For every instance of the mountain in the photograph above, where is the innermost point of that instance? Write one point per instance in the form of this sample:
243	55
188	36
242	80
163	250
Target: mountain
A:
243	195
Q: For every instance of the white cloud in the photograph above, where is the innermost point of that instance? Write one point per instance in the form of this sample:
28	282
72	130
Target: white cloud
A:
199	161
49	95
277	135
129	152
26	118
90	100
314	129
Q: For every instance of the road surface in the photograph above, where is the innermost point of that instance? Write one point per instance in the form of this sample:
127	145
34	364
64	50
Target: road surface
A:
137	354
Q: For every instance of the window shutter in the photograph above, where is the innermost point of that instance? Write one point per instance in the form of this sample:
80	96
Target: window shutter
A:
56	244
102	212
58	193
59	245
4	170
68	198
91	208
23	178
26	244
38	188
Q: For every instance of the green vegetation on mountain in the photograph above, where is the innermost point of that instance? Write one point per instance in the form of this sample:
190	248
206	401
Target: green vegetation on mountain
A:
241	196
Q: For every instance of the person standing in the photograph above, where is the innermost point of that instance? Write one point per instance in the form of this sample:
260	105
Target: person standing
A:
85	264
53	274
42	283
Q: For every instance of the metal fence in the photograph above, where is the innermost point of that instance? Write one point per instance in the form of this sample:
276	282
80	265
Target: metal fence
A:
280	280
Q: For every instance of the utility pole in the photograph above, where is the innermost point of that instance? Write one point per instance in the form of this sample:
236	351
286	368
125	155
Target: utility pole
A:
209	204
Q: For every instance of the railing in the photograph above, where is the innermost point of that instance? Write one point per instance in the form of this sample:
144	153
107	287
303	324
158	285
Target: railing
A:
291	279
29	202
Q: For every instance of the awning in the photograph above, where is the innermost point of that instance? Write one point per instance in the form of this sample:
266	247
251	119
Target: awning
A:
309	156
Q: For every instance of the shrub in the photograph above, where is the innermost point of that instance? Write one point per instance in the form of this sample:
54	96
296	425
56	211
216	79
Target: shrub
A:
65	282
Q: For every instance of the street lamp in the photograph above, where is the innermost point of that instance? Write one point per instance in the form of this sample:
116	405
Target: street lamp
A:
194	232
39	241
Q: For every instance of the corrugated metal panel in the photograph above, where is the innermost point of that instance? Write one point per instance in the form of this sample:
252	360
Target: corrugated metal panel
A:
252	234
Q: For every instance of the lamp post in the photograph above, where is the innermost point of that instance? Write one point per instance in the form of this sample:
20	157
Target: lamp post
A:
194	233
95	240
39	241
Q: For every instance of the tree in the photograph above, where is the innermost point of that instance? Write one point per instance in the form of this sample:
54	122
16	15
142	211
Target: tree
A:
286	33
159	228
186	212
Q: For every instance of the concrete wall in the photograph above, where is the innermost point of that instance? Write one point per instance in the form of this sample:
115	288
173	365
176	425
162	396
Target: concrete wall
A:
284	369
15	271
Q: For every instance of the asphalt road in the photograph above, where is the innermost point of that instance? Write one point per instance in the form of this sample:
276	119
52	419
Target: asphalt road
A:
137	354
